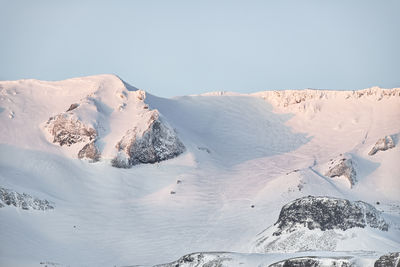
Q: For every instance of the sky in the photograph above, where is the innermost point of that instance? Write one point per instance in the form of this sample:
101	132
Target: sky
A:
172	48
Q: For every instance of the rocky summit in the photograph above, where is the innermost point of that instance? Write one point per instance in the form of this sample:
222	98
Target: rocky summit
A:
326	213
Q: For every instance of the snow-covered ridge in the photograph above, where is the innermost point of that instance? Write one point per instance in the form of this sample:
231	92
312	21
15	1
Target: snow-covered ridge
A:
286	98
92	117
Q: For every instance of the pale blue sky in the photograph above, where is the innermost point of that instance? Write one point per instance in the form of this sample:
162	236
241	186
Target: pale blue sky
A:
184	47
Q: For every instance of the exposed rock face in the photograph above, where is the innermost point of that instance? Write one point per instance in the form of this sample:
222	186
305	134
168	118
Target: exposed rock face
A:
317	223
209	259
23	201
73	106
89	151
382	145
343	166
328	213
159	142
388	260
68	130
312	262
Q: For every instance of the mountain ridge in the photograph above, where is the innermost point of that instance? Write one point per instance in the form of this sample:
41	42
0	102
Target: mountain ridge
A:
245	157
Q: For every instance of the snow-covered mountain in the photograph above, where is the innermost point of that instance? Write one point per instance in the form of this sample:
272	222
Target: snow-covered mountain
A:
95	172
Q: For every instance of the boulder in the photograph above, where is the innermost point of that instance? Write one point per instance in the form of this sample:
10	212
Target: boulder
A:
343	166
90	152
382	144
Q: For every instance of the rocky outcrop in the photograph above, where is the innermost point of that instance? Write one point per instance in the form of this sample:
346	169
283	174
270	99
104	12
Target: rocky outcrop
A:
67	129
23	201
313	262
90	152
84	125
382	144
342	166
326	213
209	259
318	223
388	260
73	106
157	143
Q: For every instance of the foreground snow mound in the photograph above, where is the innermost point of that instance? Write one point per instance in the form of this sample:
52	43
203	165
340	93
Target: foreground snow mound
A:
23	201
303	259
317	223
210	259
314	262
388	260
157	143
382	144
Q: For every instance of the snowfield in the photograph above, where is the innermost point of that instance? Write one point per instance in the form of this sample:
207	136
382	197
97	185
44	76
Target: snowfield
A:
200	174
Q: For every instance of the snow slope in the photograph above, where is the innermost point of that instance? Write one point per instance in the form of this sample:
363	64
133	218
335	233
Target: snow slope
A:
246	156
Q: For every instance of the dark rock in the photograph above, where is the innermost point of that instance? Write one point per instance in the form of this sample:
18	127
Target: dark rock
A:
90	151
72	107
388	260
204	149
158	143
382	144
312	262
328	213
23	201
